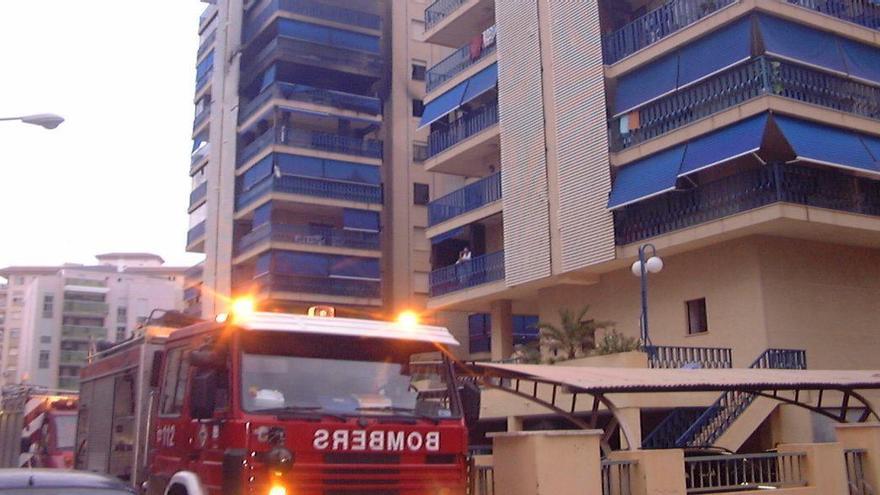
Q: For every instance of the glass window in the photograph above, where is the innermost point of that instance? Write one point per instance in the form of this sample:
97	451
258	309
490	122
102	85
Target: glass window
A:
698	320
120	334
45	340
44	360
418	107
48	303
418	71
257	173
169	383
421	194
479	332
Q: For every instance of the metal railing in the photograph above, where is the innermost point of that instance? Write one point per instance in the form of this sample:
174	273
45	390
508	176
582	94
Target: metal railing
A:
198	194
480	270
743	472
664	435
758	77
86	307
781	359
293	184
470	197
482	480
656	25
310	94
82	333
855	472
455	63
319	285
316	140
309	235
788	183
310	8
660	356
462	128
195	233
617	477
439	10
863	12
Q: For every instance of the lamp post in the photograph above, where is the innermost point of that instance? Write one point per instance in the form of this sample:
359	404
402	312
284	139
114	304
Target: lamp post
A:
640	269
45	120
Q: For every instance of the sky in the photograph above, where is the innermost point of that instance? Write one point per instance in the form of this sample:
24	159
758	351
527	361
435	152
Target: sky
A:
114	176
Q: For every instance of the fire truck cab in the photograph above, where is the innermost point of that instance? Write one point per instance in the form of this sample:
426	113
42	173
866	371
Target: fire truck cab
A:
37	427
281	404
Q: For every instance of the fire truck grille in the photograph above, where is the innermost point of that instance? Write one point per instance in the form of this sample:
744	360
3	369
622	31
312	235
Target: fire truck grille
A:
361	459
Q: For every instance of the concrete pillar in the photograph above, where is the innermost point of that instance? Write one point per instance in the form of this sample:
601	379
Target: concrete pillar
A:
867	437
632	416
824	469
502	329
656	472
547	462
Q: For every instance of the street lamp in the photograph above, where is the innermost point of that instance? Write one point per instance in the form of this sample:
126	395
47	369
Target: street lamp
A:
45	120
640	269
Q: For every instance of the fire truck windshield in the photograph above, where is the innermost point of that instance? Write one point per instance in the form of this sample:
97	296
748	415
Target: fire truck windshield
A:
344	378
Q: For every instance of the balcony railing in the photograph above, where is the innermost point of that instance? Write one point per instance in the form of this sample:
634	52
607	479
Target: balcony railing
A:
293	184
203	81
301	92
195	233
856	472
618	477
316	140
480	270
202	117
310	235
319	285
661	356
863	12
462	128
439	10
74	357
82	333
312	9
85	282
776	183
86	307
455	63
198	194
286	48
468	198
656	25
743	472
206	45
759	77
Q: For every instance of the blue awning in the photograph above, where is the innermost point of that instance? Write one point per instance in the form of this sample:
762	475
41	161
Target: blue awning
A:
654	80
733	141
451	234
873	145
481	82
862	61
827	145
647	177
798	42
443	104
360	220
708	55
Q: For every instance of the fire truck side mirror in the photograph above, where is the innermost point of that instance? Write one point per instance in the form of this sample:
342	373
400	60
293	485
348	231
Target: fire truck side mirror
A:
203	395
470	402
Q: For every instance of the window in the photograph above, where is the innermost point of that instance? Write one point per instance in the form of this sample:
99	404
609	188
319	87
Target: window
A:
698	321
418	71
418	107
421	194
44	360
48	302
121	314
169	383
479	332
120	334
45	339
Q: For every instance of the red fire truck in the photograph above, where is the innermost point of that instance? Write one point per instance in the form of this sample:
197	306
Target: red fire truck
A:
280	404
36	427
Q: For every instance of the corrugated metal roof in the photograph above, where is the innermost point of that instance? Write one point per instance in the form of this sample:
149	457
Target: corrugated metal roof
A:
610	380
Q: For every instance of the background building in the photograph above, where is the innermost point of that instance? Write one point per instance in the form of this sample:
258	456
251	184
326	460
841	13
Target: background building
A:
58	312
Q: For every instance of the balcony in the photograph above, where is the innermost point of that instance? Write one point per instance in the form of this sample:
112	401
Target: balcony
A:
319	285
863	12
456	63
292	184
453	22
74	358
468	198
83	333
480	270
657	24
664	356
201	117
86	308
198	194
195	233
762	76
304	52
462	128
314	140
744	191
440	10
312	9
203	80
207	44
309	235
309	94
84	282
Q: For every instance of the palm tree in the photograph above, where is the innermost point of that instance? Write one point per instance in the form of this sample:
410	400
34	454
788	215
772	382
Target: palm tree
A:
575	332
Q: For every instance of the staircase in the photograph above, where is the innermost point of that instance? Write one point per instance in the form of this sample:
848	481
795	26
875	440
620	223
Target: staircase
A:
684	428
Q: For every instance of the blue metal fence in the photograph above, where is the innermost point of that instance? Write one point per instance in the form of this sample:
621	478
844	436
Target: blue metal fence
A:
319	285
758	77
316	140
480	270
463	128
656	25
470	197
195	233
456	62
302	92
863	12
310	235
788	183
663	356
349	191
310	8
439	10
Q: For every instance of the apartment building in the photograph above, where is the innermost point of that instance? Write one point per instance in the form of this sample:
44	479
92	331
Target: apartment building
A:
57	313
740	138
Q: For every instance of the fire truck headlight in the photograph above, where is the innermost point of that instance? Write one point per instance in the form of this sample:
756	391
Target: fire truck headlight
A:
278	490
279	460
